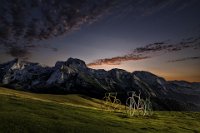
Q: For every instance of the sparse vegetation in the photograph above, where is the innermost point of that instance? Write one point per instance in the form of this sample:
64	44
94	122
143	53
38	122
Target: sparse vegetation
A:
27	112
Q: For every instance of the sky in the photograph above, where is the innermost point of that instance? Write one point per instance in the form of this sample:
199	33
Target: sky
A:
159	36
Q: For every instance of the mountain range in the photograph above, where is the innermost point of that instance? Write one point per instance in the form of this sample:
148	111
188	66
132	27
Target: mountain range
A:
73	76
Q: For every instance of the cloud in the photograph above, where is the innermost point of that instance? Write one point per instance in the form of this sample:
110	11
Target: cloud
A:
24	52
23	23
150	51
185	59
117	60
155	47
167	46
19	52
143	8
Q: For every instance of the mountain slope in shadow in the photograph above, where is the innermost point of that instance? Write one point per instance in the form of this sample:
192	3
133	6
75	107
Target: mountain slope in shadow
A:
73	76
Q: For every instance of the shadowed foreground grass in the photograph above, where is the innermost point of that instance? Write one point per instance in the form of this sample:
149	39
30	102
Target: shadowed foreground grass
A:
34	113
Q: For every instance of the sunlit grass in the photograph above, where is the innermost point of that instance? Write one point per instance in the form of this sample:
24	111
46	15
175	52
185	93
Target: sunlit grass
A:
71	99
27	112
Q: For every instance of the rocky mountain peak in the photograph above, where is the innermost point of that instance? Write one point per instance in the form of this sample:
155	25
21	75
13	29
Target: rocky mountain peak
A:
59	64
75	63
147	76
13	64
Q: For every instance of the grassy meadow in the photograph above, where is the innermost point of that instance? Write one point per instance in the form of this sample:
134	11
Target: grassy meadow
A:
23	112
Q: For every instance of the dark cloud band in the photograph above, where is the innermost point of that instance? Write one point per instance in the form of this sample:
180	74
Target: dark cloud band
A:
24	22
185	59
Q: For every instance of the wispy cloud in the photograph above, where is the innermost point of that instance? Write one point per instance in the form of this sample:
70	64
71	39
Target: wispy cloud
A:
167	46
117	60
24	52
149	51
185	59
142	8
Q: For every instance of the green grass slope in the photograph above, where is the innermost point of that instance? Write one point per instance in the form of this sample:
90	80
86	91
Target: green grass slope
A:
38	113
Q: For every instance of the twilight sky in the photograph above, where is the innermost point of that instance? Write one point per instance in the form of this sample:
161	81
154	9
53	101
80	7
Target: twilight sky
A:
160	36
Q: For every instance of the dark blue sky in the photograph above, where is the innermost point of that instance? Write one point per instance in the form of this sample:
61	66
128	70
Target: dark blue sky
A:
112	39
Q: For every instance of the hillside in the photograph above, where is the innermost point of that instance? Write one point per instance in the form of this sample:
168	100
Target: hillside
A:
74	77
27	112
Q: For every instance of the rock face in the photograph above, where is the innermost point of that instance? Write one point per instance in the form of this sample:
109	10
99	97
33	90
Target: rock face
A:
73	76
